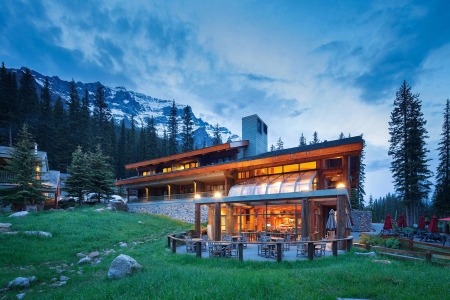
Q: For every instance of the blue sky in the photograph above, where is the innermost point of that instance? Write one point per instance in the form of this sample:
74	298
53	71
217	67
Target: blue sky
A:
302	66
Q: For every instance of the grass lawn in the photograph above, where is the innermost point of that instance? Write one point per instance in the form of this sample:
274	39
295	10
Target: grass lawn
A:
175	276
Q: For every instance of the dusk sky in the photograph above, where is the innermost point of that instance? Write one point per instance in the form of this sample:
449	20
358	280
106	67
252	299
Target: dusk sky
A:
302	66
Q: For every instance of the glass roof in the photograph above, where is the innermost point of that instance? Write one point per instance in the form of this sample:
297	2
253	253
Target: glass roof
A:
275	184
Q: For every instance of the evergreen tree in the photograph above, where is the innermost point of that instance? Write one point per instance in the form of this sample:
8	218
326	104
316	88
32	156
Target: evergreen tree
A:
102	115
101	176
63	154
441	196
407	149
79	181
341	136
28	102
272	148
152	139
187	135
23	173
121	146
217	137
74	114
302	140
164	144
45	135
280	144
315	139
85	121
9	123
142	145
173	131
362	177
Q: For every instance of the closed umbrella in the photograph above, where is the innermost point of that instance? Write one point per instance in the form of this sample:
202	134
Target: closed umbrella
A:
402	221
432	227
348	222
387	223
331	222
421	225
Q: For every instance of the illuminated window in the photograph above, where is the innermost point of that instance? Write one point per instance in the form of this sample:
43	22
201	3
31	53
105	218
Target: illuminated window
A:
168	169
243	175
260	172
290	168
275	170
308	166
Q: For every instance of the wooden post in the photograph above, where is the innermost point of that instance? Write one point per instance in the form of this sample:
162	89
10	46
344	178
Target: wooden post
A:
367	246
198	249
305	212
310	250
174	246
334	247
349	244
428	256
198	220
279	247
168	241
341	218
241	251
217	227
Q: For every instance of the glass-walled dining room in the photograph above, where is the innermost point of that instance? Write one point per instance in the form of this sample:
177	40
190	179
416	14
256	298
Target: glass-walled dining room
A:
253	221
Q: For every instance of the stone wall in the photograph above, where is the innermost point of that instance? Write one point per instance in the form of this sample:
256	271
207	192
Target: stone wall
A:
183	212
362	220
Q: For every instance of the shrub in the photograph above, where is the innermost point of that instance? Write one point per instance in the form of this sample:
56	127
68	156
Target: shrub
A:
373	240
392	243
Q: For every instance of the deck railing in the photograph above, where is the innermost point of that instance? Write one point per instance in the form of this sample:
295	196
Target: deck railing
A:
177	196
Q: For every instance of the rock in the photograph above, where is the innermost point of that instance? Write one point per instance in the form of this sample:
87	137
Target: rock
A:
19	282
32	278
19	214
387	262
5	225
84	260
63	278
11	232
20	296
122	266
80	272
81	254
4	290
366	254
40	233
140	222
94	254
107	252
99	209
122	244
98	261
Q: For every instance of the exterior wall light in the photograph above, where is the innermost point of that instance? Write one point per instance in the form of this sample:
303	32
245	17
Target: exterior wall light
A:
197	196
217	195
340	186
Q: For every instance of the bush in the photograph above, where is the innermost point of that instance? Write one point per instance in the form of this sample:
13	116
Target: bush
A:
392	243
373	240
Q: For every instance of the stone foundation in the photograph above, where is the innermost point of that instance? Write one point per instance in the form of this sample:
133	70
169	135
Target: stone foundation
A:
362	220
182	212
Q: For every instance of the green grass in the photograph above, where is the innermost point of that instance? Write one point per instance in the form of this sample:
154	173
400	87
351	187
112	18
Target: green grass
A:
176	276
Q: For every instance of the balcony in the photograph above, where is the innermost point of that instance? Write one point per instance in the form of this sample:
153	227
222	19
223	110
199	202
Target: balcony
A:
177	197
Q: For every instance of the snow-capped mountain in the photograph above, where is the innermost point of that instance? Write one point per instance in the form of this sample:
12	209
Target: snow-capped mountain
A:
124	104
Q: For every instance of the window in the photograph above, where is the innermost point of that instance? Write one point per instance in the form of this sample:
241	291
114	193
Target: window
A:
265	128
243	175
275	170
168	169
258	125
260	172
290	168
308	166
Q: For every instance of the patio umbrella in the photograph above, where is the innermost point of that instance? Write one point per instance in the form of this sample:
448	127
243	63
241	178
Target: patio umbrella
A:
402	221
421	225
348	222
433	225
331	222
387	222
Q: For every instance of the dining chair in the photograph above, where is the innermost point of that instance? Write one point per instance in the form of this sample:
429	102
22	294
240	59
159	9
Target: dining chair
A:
319	251
190	247
302	248
287	242
263	248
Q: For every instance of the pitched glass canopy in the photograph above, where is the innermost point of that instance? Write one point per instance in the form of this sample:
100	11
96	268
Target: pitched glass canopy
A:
275	184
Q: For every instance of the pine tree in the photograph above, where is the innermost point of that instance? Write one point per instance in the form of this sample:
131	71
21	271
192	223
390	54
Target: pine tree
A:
28	102
407	149
164	144
362	176
102	115
63	154
315	139
45	135
302	140
79	181
272	148
217	137
152	139
74	113
187	134
173	131
101	176
23	171
441	196
9	123
121	150
280	144
341	136
85	121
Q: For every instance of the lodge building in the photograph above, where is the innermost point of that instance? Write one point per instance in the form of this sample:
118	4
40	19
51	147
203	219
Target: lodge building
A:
241	187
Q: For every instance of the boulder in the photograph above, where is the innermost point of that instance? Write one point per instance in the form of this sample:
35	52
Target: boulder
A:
94	254
84	260
40	233
122	266
19	282
19	214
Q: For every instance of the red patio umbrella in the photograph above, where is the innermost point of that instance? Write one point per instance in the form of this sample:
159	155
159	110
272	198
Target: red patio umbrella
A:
387	222
421	223
402	221
433	225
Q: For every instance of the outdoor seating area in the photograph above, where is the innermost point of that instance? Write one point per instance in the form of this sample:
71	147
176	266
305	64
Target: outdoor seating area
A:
266	248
